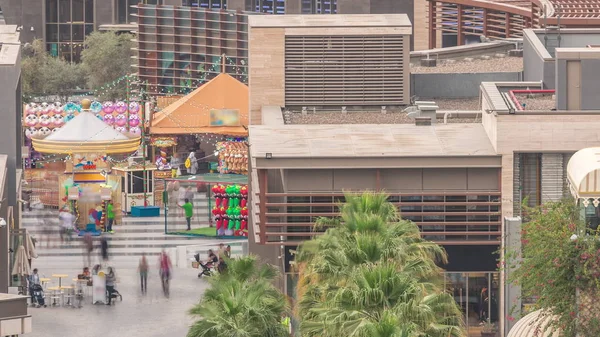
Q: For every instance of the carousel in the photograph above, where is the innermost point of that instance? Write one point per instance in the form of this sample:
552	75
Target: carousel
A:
87	186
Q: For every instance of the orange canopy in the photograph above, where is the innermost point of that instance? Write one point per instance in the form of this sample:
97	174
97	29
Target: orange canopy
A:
219	106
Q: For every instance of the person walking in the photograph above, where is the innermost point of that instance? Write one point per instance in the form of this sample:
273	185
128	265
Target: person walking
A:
33	279
165	272
88	247
104	248
228	252
143	270
188	207
110	284
110	215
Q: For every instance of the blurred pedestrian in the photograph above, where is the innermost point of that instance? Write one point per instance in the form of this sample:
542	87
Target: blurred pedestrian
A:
104	248
88	247
143	270
110	284
66	225
228	252
189	212
165	271
110	215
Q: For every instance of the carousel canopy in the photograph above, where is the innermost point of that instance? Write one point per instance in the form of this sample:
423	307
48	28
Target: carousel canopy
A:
583	174
219	106
534	325
86	134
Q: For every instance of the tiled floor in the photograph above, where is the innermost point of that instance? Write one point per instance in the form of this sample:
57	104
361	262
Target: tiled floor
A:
149	316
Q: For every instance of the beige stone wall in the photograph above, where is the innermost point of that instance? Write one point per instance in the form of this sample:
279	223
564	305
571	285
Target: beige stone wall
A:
266	50
421	25
546	133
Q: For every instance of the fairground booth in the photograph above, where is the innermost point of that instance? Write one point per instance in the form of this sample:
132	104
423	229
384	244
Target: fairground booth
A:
199	144
87	185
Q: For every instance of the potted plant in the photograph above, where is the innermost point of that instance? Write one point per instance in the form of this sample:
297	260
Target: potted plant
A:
488	329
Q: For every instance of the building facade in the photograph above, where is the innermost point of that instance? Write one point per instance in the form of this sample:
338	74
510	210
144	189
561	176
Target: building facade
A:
328	61
63	24
10	142
452	23
180	48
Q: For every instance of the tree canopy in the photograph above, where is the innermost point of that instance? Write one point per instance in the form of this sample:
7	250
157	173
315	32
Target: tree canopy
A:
43	75
371	274
241	303
558	265
106	59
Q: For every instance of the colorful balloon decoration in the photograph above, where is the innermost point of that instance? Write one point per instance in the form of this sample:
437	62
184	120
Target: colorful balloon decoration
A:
109	119
135	130
31	132
121	120
31	120
108	107
96	107
55	129
31	109
44	120
120	107
71	108
230	211
58	108
134	120
45	131
134	107
121	129
68	118
57	120
99	116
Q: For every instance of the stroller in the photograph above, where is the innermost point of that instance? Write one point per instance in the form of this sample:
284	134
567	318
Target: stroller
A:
38	295
206	268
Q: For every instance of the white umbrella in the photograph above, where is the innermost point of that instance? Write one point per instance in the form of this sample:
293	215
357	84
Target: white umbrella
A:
30	250
21	266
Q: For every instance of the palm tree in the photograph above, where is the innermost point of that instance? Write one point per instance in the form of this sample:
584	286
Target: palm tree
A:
367	239
241	303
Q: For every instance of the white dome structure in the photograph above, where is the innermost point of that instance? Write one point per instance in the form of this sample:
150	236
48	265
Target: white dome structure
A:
534	325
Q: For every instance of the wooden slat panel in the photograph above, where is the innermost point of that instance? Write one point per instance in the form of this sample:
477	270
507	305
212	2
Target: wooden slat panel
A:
344	70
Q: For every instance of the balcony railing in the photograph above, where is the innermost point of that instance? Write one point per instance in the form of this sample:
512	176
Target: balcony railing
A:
445	217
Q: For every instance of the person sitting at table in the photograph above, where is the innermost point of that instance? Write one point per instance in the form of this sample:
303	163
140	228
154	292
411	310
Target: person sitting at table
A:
86	275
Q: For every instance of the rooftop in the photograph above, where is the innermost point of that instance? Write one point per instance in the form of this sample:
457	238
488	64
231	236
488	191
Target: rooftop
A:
481	64
369	140
339	20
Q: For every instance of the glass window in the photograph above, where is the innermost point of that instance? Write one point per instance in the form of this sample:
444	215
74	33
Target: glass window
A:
78	33
89	29
77	10
122	11
51	11
64	11
65	33
89	11
52	49
52	33
65	51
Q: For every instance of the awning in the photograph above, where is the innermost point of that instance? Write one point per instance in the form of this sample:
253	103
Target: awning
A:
534	325
219	106
583	175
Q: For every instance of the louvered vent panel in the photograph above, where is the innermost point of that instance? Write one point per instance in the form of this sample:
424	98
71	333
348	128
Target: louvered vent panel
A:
344	70
552	177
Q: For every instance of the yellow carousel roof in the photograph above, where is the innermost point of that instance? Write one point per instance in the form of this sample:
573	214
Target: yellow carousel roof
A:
86	134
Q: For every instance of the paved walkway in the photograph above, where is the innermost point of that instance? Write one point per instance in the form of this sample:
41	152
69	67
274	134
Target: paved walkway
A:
151	315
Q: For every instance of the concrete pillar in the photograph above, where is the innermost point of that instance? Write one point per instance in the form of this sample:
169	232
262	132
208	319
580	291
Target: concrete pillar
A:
507	184
510	295
293	7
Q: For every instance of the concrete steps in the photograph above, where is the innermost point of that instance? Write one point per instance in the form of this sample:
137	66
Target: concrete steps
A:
132	238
